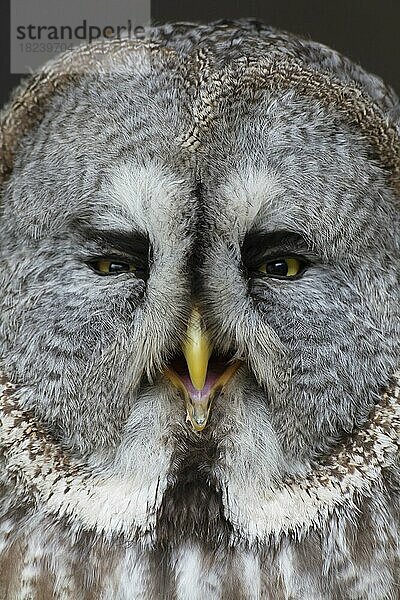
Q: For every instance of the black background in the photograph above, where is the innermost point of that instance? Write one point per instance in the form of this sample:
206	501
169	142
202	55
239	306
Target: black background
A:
366	31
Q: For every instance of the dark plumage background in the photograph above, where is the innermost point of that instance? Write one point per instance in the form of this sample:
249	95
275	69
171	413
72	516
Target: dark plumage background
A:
364	30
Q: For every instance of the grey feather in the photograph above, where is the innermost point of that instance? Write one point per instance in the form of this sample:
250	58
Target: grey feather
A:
211	147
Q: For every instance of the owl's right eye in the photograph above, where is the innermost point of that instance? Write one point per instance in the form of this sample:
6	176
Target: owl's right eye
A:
114	266
115	252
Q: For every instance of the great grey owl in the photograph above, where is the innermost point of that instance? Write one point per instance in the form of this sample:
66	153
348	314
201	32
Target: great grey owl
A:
199	322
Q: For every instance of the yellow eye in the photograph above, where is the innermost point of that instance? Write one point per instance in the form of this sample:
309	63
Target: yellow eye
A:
107	266
282	267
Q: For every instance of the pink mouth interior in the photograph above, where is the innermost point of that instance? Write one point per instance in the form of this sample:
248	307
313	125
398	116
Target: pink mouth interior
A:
216	368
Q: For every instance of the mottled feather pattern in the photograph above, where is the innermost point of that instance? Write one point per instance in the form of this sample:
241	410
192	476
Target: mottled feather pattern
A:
218	146
333	510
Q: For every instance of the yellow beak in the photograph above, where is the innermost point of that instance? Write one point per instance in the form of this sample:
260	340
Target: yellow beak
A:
197	350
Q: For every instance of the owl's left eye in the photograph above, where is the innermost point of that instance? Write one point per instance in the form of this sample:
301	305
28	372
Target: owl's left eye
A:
111	266
285	267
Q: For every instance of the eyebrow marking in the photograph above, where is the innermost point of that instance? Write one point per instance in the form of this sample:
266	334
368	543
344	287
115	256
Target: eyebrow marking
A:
256	241
132	243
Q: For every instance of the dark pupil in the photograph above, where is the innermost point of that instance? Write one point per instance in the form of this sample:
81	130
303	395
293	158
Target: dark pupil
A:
118	267
278	267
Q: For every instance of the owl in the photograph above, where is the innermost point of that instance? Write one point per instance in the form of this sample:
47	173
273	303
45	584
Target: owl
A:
199	247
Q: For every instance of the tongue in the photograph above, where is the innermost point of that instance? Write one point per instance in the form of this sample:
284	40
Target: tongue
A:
200	395
214	372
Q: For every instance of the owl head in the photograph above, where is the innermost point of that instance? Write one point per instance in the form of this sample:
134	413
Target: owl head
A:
199	246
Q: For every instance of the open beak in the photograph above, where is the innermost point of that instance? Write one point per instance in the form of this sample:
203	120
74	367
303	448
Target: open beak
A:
199	374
